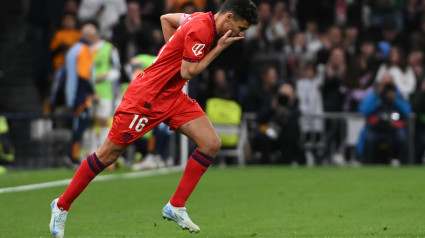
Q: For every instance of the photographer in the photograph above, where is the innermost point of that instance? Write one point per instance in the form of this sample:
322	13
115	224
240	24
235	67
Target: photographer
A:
278	137
385	111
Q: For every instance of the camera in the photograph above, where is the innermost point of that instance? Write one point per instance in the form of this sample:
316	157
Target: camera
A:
386	90
283	100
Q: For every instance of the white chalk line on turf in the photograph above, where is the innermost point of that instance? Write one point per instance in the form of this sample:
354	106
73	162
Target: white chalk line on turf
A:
63	182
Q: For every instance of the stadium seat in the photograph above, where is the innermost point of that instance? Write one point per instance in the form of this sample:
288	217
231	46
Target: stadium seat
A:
226	117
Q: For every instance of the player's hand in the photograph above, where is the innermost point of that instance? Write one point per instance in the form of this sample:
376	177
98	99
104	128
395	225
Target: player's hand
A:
227	40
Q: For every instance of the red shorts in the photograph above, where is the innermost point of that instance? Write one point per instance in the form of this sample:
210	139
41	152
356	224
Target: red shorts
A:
130	123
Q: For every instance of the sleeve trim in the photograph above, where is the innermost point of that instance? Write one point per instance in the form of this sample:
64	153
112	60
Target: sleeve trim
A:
191	60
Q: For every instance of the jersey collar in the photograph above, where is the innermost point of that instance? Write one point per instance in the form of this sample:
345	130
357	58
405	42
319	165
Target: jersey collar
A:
213	21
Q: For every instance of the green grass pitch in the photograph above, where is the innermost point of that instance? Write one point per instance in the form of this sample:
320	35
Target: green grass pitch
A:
230	202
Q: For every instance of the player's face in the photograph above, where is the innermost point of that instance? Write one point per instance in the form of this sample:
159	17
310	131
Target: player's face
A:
238	26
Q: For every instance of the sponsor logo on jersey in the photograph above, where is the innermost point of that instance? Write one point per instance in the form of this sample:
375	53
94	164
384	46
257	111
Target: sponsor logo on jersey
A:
197	48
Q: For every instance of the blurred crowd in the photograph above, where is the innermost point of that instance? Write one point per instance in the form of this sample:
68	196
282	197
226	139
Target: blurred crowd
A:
304	57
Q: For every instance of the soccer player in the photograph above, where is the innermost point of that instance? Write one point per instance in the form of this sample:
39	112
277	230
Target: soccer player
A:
156	96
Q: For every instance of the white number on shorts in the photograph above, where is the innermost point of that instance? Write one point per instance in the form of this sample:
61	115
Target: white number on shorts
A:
142	122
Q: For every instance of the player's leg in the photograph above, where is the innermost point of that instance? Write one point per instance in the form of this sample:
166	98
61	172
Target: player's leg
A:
201	131
89	168
127	127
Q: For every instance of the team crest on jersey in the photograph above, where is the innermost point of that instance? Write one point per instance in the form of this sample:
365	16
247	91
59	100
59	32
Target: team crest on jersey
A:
197	48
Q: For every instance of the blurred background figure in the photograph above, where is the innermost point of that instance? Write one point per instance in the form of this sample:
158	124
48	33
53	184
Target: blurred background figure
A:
277	141
106	67
360	76
221	87
310	102
402	74
66	36
105	12
79	89
386	111
133	36
255	36
261	94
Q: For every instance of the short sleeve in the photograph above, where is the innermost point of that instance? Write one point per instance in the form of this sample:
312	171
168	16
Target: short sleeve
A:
197	43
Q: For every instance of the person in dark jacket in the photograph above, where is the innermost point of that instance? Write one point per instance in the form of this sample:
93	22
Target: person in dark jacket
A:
277	138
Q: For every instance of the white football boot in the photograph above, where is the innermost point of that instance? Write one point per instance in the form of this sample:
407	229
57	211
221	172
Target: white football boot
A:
179	215
58	219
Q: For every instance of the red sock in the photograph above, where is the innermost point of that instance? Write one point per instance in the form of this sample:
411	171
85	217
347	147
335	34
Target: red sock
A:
87	171
196	166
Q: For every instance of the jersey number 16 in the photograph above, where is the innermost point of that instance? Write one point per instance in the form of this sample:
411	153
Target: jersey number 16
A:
139	126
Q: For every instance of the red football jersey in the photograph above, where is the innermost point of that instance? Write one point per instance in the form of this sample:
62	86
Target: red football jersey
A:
159	85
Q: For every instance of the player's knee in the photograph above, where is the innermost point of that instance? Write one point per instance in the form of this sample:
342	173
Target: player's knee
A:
215	145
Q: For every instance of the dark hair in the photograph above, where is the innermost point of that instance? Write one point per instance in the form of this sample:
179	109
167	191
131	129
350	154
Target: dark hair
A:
402	63
92	22
242	9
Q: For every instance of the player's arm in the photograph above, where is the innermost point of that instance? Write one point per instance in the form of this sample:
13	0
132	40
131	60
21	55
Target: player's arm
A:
170	22
190	69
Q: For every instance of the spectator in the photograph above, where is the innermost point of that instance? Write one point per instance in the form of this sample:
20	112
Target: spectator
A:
278	138
105	12
260	96
350	40
313	37
280	27
63	39
333	98
401	72
416	61
386	111
71	6
360	76
255	38
335	71
133	36
78	87
419	108
297	51
221	87
330	40
309	98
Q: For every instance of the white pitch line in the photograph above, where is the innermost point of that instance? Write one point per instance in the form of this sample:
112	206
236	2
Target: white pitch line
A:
98	178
